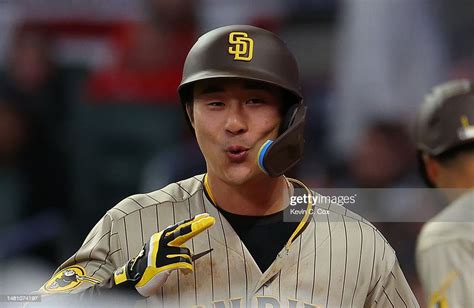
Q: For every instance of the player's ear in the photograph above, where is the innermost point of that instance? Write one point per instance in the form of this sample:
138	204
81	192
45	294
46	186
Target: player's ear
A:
432	168
190	113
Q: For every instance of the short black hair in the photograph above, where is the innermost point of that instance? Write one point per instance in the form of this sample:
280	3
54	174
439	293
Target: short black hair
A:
451	154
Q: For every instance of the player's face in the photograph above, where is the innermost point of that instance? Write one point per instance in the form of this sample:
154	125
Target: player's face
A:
456	173
232	118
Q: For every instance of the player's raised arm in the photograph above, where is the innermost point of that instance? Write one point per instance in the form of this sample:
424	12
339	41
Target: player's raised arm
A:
94	269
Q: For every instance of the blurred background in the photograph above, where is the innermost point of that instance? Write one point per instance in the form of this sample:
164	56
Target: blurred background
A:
89	112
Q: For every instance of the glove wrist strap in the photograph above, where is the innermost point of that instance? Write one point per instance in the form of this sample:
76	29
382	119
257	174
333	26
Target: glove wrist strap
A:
129	273
120	275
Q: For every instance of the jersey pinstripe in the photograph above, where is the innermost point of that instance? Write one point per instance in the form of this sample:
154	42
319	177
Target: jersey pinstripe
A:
445	255
338	259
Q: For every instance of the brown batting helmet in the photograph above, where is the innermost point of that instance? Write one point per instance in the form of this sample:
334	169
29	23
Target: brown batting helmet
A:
242	51
446	118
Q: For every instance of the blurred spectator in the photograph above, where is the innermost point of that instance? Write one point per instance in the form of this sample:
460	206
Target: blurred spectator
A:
390	53
32	135
458	24
381	158
384	157
29	63
150	55
462	69
9	16
34	79
14	134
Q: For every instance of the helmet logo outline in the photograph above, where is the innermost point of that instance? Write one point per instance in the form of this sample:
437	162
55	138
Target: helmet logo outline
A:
464	121
467	130
242	46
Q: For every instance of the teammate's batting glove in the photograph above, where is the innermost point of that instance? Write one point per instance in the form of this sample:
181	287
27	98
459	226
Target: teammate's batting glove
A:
164	253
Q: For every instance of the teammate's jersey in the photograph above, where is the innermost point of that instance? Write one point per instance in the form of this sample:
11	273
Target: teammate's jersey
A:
445	255
334	258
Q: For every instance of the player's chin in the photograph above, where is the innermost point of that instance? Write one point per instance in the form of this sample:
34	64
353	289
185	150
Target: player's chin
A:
240	174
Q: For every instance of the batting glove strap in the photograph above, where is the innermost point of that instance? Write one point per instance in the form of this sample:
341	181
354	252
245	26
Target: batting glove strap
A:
130	273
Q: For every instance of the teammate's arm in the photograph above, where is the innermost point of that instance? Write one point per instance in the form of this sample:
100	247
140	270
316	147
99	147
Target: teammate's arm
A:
447	272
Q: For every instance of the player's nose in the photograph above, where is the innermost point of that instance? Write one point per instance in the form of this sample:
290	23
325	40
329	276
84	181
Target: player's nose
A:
236	121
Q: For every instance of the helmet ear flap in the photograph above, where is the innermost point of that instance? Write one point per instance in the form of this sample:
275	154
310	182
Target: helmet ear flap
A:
288	119
278	156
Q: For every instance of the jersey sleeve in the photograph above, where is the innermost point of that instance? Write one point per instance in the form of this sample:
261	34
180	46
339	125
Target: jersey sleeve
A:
92	265
392	291
447	274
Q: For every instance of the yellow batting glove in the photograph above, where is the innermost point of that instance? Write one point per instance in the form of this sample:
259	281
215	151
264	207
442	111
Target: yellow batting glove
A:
164	253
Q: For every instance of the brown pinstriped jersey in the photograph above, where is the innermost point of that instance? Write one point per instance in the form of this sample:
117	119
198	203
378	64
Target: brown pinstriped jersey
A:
337	259
445	255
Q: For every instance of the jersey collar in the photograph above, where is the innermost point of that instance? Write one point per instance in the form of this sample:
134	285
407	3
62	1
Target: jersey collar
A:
302	224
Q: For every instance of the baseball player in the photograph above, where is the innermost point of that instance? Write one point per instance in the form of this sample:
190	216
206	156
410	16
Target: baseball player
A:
228	238
445	248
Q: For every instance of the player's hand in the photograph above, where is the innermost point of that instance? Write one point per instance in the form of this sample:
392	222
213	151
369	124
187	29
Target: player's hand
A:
164	253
